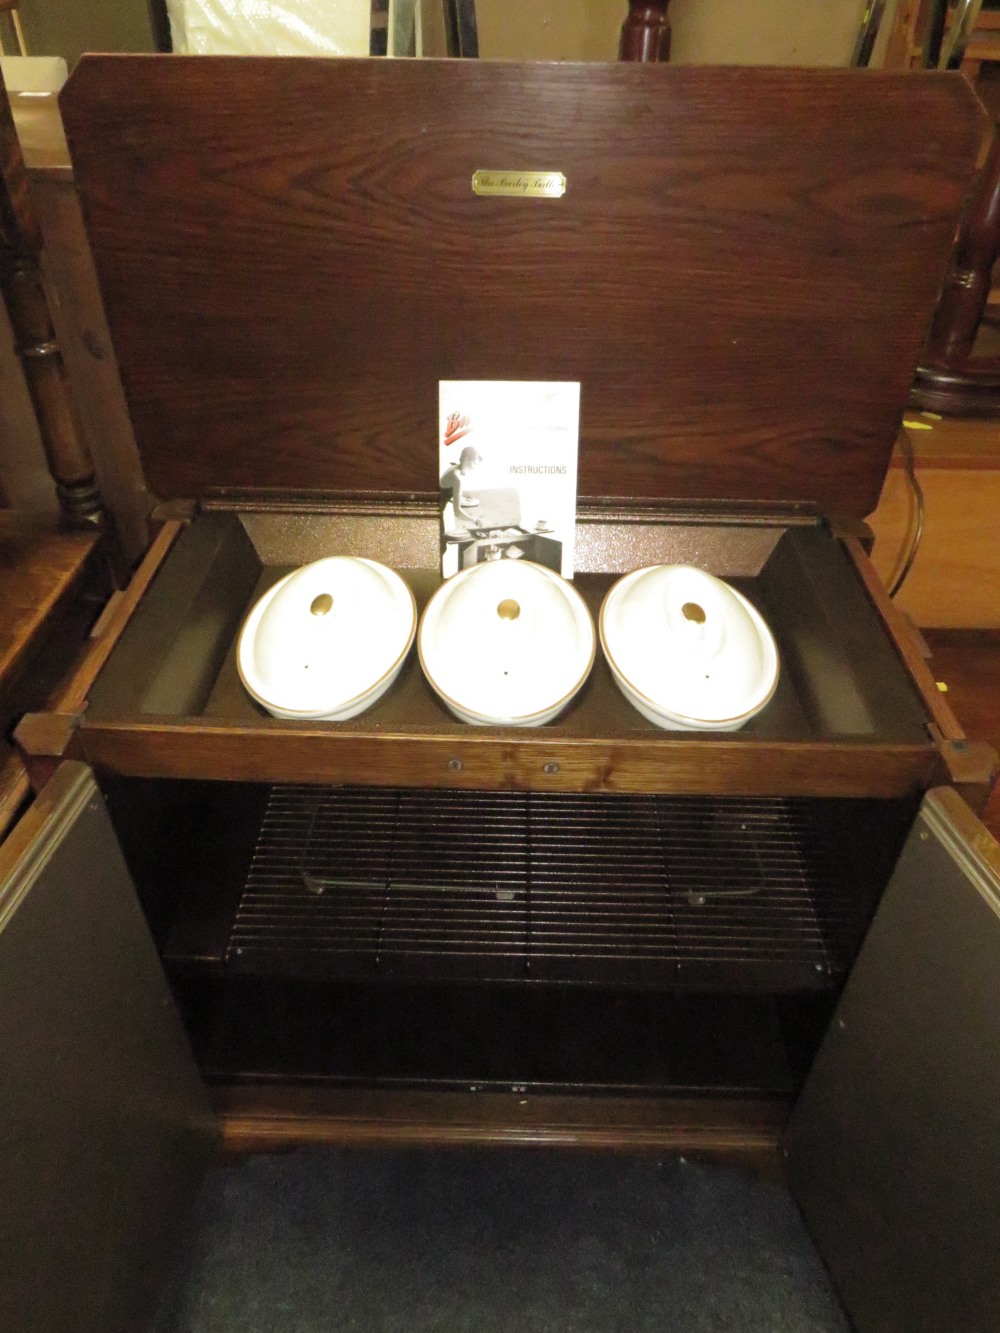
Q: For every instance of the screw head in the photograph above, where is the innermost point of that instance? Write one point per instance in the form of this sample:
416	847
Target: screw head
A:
550	768
454	765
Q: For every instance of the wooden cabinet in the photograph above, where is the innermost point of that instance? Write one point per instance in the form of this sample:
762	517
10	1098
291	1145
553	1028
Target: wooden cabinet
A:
402	926
889	1149
258	277
107	1127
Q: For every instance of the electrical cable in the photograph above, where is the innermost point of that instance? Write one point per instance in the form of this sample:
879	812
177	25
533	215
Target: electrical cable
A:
909	464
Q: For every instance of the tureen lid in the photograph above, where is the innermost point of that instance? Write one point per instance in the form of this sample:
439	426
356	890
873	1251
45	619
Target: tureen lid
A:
692	646
325	635
507	641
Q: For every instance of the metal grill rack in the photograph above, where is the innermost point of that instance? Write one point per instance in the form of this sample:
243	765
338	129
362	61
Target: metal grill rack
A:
659	890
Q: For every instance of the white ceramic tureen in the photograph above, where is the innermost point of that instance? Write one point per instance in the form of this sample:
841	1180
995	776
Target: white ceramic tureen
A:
327	640
688	650
506	643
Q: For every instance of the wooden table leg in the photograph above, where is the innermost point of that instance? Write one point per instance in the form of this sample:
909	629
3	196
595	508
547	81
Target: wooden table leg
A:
645	32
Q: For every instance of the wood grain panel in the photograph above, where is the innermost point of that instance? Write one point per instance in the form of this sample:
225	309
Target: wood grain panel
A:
14	787
40	567
272	1119
296	752
111	626
740	274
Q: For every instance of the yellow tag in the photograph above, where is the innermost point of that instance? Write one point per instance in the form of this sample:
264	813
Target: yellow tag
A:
520	184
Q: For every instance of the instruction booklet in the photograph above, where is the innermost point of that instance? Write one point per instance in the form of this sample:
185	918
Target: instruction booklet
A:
507	472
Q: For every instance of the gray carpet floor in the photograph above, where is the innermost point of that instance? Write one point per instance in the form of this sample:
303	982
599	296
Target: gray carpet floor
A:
472	1241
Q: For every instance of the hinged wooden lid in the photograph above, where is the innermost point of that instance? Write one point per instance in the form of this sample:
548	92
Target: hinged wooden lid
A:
740	272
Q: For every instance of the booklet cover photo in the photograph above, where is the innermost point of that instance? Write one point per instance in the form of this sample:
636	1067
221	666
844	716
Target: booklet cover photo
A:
507	472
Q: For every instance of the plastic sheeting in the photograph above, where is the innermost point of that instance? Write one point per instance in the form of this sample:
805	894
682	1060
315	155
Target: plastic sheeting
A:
271	27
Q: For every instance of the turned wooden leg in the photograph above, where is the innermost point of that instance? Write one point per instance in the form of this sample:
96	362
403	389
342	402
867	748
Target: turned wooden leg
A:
645	32
68	459
968	287
23	291
950	378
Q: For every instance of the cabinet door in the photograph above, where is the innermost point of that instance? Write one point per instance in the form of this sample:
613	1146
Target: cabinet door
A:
893	1149
105	1127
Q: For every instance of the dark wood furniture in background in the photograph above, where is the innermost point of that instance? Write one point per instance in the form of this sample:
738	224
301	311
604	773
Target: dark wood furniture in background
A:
955	376
27	303
52	580
936	34
51	588
645	31
83	336
952	377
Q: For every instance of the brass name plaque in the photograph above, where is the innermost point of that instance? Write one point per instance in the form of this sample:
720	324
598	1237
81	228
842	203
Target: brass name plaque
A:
520	184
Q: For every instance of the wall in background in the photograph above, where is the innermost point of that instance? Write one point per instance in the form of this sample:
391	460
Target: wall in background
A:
765	32
67	28
750	32
728	32
550	30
